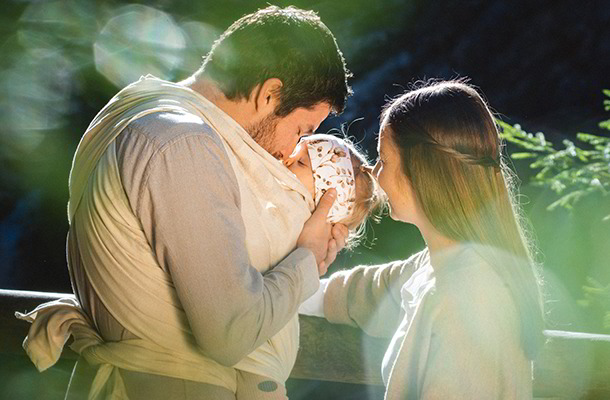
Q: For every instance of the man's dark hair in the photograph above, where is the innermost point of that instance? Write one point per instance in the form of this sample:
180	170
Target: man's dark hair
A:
290	44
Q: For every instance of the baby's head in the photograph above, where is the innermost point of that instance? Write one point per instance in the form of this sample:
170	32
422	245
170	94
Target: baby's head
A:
322	162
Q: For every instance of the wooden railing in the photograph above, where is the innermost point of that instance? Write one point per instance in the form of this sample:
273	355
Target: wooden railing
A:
572	365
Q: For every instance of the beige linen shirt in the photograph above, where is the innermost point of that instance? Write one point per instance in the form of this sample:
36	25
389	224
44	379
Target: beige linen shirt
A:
181	186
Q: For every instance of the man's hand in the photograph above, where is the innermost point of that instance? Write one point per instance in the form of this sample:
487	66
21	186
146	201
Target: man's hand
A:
317	233
340	233
336	243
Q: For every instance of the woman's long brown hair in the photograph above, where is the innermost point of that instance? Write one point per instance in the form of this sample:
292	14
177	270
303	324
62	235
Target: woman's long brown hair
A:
451	154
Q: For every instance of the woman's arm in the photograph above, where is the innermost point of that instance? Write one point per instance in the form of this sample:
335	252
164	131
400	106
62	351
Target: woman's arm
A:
368	297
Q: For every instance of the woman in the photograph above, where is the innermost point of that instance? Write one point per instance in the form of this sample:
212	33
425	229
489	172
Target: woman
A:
465	313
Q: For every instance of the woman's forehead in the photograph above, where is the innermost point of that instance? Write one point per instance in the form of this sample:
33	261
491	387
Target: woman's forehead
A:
383	137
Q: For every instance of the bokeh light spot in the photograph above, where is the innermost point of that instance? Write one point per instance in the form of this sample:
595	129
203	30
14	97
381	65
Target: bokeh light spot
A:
139	40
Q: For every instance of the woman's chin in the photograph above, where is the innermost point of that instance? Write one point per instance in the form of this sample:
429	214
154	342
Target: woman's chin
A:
393	215
398	216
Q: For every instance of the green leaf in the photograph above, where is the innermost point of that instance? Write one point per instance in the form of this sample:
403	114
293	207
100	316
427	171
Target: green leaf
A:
557	186
593	139
527	144
581	154
519	156
543	173
567	201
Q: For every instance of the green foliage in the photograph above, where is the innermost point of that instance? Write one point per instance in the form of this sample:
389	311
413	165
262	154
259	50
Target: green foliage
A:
573	172
577	170
597	299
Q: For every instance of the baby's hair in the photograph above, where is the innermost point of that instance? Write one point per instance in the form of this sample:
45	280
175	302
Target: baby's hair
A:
369	196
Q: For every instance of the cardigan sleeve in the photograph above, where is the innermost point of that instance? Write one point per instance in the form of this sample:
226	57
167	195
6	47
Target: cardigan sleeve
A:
368	297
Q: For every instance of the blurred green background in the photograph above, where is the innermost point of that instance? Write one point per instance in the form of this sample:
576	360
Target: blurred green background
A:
540	64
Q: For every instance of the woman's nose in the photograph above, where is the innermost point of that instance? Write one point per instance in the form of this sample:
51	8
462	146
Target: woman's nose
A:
376	169
289	160
368	169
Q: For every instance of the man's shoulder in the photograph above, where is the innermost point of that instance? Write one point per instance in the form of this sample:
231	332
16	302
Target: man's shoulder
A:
164	128
171	145
149	140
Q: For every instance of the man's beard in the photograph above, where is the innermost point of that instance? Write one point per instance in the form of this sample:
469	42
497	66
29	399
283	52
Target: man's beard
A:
264	134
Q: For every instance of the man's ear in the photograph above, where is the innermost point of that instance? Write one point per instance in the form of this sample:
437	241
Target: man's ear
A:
266	96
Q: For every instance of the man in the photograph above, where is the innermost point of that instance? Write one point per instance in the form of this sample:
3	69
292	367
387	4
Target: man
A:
182	251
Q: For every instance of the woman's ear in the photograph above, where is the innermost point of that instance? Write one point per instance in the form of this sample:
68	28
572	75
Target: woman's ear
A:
266	96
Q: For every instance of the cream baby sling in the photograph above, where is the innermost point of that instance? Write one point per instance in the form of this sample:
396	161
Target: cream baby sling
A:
122	267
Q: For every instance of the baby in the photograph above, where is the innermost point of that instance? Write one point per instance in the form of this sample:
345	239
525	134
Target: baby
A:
322	162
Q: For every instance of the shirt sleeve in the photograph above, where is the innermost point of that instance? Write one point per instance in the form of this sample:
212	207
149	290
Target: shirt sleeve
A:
189	206
368	297
314	305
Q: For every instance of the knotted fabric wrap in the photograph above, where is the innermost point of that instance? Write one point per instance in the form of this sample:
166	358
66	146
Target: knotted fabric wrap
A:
331	166
124	271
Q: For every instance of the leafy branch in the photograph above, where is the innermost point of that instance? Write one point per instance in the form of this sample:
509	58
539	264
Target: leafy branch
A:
572	172
577	170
